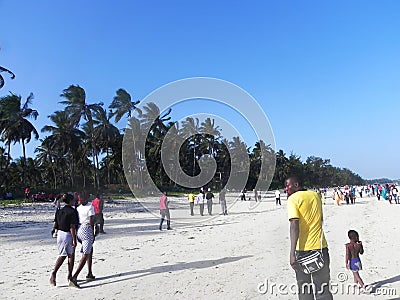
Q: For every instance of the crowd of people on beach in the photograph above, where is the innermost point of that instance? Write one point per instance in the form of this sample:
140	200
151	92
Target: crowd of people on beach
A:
349	194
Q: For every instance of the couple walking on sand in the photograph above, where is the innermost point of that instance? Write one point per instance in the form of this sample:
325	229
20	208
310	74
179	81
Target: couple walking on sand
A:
67	220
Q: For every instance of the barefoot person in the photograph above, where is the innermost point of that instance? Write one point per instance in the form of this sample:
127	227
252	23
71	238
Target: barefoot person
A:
86	235
306	235
353	250
66	221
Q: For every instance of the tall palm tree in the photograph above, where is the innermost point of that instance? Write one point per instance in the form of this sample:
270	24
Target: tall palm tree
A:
190	127
2	69
211	133
152	121
106	133
122	105
77	107
64	139
14	124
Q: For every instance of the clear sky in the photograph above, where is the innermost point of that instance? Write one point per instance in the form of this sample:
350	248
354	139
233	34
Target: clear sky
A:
326	73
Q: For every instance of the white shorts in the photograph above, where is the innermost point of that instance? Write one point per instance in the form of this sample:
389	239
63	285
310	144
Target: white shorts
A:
64	243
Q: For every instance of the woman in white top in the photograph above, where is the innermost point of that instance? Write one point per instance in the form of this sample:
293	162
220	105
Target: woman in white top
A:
85	234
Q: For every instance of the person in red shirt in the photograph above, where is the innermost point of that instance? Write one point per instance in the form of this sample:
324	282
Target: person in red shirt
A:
27	191
164	211
98	205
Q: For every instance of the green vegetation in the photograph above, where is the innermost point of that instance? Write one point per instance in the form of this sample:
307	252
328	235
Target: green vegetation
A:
82	149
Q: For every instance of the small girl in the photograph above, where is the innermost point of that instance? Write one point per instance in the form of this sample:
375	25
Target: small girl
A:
353	262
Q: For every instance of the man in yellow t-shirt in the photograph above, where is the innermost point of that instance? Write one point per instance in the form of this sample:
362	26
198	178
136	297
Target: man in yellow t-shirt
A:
191	203
306	234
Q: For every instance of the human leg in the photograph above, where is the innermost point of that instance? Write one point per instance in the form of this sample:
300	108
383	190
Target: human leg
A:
191	208
89	263
322	278
304	286
71	260
57	266
358	280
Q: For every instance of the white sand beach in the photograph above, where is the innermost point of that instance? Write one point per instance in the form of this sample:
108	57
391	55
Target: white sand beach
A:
226	257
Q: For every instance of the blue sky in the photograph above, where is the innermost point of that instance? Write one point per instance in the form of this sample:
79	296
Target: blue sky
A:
326	73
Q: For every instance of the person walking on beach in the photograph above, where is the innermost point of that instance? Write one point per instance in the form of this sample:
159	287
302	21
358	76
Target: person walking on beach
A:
164	211
353	250
209	197
85	235
201	198
277	197
66	221
395	192
337	196
27	191
306	235
191	203
255	195
222	200
98	205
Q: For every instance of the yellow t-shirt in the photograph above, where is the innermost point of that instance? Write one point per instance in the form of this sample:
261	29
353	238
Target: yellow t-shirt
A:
307	207
191	197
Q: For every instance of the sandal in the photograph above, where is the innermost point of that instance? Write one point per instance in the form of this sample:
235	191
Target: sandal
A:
90	277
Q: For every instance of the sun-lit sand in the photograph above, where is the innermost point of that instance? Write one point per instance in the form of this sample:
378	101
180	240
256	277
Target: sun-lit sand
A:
224	257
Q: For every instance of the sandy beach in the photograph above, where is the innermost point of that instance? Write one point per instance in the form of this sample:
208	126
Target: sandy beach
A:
243	255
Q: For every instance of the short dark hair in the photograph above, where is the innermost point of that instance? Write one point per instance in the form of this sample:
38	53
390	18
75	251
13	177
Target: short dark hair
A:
295	179
67	198
352	234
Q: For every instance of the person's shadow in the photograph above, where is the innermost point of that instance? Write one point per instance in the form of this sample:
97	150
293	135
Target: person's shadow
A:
201	264
378	284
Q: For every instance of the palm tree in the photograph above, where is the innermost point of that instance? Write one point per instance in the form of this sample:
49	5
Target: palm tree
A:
76	107
64	139
123	104
14	124
1	77
191	128
105	132
210	133
152	121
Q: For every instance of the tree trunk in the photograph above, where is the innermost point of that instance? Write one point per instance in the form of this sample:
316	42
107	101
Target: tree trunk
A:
24	162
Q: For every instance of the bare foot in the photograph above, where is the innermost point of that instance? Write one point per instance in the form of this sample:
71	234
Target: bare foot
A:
53	280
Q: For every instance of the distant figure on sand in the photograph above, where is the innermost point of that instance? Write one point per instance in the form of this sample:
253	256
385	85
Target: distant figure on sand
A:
353	251
27	191
209	197
278	197
222	200
201	198
191	203
98	205
307	239
66	221
164	211
243	195
337	196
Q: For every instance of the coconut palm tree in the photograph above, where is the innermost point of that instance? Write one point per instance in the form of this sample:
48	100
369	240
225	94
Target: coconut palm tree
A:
14	124
64	139
122	104
211	133
105	132
190	127
77	107
2	69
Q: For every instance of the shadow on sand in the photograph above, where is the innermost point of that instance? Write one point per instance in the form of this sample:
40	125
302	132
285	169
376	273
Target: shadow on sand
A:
201	264
378	284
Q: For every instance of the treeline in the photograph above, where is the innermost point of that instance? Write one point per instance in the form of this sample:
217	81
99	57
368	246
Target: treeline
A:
82	149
